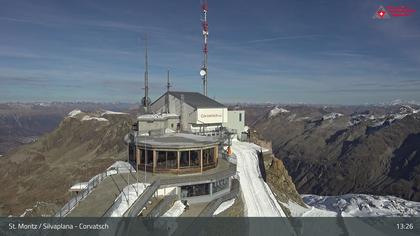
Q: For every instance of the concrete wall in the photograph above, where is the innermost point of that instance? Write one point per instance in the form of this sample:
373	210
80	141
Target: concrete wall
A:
146	126
165	191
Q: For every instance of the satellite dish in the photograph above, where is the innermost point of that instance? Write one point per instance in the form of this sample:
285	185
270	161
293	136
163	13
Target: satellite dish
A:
203	72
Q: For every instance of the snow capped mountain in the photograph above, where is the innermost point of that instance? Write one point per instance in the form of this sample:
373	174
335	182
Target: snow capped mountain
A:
74	113
275	111
363	205
401	102
356	119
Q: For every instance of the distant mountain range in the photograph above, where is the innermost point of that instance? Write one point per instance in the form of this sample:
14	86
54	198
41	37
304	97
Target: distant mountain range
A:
327	150
345	149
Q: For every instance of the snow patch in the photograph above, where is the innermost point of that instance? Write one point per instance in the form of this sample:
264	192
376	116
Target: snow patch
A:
120	167
275	111
26	212
169	131
113	113
176	210
74	113
79	186
159	116
332	116
224	206
302	118
364	205
126	199
291	117
86	118
297	210
390	119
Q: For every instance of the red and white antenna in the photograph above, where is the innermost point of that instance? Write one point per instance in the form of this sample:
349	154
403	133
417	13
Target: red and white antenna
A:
205	26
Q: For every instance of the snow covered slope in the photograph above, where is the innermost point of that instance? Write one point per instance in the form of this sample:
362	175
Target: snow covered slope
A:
363	205
224	206
126	199
176	210
258	198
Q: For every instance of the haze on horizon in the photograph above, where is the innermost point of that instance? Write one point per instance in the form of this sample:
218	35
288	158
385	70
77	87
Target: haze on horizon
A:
319	52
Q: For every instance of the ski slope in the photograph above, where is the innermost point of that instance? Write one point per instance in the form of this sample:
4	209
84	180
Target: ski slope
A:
258	198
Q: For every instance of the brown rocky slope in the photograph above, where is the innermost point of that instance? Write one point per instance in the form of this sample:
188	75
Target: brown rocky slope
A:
42	172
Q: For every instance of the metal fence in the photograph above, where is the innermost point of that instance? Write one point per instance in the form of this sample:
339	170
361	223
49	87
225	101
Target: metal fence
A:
93	182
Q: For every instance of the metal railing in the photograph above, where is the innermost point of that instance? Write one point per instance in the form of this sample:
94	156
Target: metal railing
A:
93	182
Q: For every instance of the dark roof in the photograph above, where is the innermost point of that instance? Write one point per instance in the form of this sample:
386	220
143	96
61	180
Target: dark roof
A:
196	100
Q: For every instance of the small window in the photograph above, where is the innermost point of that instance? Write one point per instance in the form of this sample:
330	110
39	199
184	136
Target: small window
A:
172	125
240	117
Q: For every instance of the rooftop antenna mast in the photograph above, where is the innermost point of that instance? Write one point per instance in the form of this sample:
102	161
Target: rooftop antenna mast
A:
168	87
205	26
168	83
146	99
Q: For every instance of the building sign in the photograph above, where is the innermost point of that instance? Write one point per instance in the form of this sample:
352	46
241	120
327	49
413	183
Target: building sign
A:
211	115
203	116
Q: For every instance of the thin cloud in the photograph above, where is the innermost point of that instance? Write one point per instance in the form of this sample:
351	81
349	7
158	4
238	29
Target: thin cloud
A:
309	36
343	54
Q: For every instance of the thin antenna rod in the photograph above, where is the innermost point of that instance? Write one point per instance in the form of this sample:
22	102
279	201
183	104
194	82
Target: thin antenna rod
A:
168	83
168	87
205	26
146	100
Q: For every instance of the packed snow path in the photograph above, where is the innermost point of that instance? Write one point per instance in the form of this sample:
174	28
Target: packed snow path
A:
259	200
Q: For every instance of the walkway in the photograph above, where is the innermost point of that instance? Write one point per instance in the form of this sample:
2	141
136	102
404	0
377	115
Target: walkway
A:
100	199
258	198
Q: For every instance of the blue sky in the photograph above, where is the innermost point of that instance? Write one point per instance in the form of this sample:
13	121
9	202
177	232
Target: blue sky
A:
329	52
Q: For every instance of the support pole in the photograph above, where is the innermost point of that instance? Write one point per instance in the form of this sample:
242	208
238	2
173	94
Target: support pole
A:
154	160
178	160
201	160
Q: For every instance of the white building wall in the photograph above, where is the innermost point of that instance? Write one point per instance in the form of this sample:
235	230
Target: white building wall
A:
236	121
166	191
213	117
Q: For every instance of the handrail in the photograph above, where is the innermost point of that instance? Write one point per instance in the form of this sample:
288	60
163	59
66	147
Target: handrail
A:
93	183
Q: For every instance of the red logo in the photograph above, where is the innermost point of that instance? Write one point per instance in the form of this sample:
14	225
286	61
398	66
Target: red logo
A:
381	13
394	11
